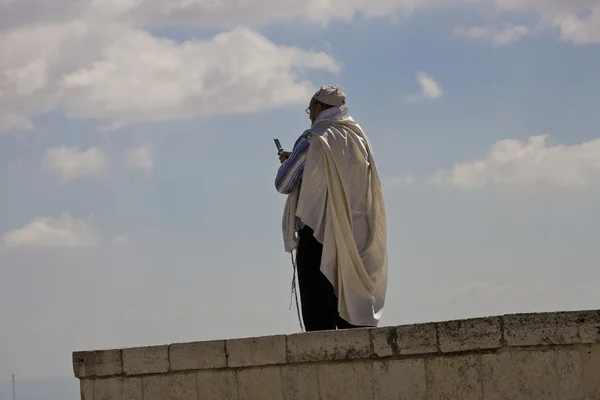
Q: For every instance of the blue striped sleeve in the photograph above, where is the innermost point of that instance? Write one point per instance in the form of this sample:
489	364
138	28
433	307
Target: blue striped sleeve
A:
290	172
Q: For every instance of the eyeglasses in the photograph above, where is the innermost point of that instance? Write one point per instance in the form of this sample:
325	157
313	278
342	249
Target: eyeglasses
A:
311	106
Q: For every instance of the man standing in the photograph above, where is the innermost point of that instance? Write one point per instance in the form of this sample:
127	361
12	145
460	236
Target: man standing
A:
335	218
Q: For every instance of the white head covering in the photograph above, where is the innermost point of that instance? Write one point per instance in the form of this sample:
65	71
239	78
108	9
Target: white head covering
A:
331	95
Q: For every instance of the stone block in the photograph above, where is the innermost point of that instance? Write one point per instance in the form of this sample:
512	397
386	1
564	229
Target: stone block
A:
179	386
453	377
399	379
404	340
300	382
417	339
217	385
470	334
590	363
384	341
532	374
97	363
86	389
569	375
519	375
552	328
262	383
256	351
327	346
589	326
197	355
346	380
146	360
123	388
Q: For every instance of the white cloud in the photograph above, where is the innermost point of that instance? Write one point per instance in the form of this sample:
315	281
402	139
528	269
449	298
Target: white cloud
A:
499	37
226	14
548	6
64	232
120	239
12	121
578	21
430	89
71	163
120	75
143	78
98	60
140	159
581	30
230	13
517	163
392	183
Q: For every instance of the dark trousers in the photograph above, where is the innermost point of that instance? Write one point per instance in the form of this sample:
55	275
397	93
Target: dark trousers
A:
319	302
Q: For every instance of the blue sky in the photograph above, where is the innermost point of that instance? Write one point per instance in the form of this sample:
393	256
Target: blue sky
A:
166	227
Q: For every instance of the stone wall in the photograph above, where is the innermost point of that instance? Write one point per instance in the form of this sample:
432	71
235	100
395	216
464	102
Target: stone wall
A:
549	356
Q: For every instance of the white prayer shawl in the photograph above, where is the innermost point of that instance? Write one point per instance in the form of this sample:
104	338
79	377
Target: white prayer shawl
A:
341	199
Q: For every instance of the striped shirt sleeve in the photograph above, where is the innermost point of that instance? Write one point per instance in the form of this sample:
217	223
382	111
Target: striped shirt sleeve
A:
290	172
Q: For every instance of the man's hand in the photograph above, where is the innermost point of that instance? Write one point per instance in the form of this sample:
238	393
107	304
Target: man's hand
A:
284	156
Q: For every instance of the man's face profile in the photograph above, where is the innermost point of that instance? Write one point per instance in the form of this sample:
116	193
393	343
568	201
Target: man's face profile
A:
315	110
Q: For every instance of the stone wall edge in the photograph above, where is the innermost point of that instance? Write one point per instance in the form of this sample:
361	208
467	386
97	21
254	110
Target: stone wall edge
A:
516	330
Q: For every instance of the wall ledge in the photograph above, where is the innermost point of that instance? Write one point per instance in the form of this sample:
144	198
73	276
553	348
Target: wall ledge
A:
488	334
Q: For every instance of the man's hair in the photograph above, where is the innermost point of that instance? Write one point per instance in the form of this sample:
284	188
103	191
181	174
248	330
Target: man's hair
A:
314	102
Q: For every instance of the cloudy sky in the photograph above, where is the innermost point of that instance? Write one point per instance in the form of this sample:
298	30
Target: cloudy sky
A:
137	163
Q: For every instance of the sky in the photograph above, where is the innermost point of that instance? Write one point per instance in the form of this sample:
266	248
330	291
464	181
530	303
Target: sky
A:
137	163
